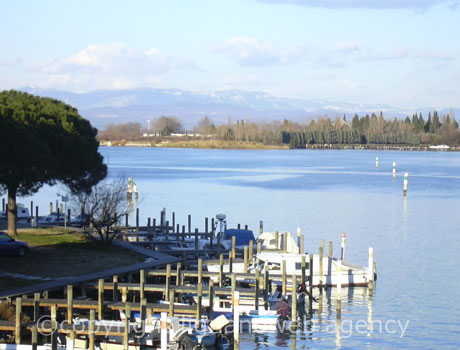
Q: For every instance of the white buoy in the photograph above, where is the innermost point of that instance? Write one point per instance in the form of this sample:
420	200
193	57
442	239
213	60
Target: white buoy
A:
394	170
376	162
406	175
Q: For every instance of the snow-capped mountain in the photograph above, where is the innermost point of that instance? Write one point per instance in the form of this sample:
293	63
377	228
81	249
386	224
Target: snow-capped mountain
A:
138	105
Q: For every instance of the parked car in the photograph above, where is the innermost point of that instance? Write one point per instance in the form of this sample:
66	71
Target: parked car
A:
10	247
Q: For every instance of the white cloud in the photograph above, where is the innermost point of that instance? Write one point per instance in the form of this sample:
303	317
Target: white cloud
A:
348	46
108	66
248	51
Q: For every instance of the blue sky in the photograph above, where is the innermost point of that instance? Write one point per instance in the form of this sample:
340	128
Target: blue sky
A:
401	53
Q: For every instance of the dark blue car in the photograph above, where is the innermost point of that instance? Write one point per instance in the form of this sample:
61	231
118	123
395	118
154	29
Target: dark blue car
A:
10	247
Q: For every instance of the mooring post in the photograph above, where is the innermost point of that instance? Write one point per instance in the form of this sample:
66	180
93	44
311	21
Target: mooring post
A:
394	170
126	225
173	219
236	318
302	249
36	306
211	298
261	227
69	303
137	220
339	288
149	229
100	299
266	286
115	289
233	286
230	263
330	249
36	214
294	301
143	313
303	268
285	242
245	259
183	233
256	291
178	273
92	324
200	271
310	278
370	268
198	306
126	330
17	332
171	303
406	176
259	247
233	247
277	240
342	253
251	251
189	219
221	270
51	208
35	338
321	251
168	281
141	284
3	204
54	328
284	277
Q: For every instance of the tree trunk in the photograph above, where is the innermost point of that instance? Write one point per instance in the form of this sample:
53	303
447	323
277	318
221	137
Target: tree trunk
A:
12	211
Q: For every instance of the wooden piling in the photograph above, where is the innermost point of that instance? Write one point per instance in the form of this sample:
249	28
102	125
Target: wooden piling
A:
284	277
198	306
259	247
211	299
266	286
51	208
406	176
339	289
256	291
303	269
251	251
342	247
168	281
54	328
34	339
178	273
221	270
233	286
261	227
36	306
245	260
294	301
17	331
277	240
124	294
115	289
69	303
189	220
330	249
321	251
285	242
171	303
100	299
302	244
236	318
126	330
183	233
200	271
310	278
141	284
233	247
92	323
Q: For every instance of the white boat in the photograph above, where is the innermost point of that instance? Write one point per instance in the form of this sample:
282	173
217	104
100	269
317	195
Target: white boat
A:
22	213
51	219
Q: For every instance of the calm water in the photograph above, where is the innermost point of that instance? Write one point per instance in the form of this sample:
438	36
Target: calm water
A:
416	239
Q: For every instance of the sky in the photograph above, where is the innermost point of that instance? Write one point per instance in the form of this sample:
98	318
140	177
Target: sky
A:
400	53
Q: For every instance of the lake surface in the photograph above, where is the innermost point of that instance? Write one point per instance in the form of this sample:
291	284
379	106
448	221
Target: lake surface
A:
416	238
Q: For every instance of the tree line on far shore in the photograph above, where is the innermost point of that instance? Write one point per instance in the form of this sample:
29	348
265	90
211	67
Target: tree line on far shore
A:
368	129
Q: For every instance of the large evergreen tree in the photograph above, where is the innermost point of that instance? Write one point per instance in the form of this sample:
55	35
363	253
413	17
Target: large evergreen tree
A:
44	141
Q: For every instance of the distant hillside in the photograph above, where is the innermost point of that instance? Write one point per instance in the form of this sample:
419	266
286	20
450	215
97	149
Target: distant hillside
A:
138	105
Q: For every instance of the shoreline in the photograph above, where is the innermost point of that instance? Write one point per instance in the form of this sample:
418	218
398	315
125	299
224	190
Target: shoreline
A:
239	145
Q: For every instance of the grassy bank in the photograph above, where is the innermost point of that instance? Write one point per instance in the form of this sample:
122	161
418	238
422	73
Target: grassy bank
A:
197	143
55	252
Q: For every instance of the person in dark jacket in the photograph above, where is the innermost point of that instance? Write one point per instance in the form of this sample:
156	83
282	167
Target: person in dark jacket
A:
283	309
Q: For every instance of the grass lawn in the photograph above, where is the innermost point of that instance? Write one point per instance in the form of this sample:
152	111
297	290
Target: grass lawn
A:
55	252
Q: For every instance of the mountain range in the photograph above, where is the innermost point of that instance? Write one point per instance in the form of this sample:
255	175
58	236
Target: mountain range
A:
102	107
